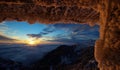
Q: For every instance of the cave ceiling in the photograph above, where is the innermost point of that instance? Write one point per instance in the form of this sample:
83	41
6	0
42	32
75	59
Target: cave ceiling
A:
50	11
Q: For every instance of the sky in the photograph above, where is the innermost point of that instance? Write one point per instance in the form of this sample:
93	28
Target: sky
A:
23	32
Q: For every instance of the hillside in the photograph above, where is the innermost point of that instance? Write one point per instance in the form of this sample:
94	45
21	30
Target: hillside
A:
68	58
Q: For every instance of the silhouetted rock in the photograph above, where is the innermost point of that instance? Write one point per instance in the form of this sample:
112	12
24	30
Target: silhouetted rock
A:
6	64
68	58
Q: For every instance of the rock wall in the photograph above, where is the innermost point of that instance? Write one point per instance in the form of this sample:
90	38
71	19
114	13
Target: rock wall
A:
107	50
50	11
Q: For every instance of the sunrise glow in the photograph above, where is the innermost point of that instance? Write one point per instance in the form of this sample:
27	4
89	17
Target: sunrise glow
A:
14	32
32	42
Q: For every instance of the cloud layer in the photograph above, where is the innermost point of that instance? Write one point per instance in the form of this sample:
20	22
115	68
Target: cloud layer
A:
45	31
4	38
68	33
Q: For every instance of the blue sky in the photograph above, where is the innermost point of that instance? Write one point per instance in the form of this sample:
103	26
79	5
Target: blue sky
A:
66	33
20	29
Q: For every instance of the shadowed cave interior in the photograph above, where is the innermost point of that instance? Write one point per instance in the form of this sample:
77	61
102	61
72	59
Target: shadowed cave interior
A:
104	12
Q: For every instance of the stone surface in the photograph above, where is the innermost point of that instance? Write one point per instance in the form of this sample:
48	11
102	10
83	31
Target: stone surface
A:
107	50
49	11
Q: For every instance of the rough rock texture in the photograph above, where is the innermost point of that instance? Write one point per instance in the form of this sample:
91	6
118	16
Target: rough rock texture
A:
107	50
104	12
49	11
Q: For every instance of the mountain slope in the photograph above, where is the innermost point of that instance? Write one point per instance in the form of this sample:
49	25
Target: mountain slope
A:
68	58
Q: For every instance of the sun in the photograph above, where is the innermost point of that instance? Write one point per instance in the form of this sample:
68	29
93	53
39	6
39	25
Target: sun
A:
32	42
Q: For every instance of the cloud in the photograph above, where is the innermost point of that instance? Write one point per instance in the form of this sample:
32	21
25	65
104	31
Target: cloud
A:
4	38
76	32
45	31
2	23
34	35
73	33
5	29
3	26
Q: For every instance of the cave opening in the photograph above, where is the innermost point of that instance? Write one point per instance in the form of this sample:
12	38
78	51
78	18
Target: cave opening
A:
71	44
